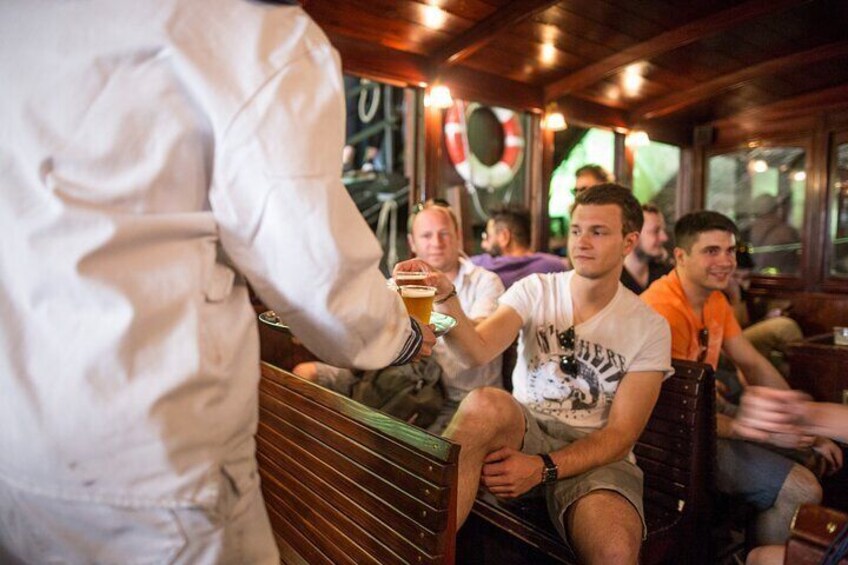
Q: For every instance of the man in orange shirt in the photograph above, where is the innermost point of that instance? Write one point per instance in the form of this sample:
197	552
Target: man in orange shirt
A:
702	326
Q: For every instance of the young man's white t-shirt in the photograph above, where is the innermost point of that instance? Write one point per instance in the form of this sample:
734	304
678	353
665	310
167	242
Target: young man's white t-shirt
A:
626	336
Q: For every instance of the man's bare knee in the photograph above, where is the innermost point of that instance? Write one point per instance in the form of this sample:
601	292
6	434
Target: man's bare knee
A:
487	408
800	487
605	528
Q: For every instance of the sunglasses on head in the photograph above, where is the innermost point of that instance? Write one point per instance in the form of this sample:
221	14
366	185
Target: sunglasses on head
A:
568	363
429	203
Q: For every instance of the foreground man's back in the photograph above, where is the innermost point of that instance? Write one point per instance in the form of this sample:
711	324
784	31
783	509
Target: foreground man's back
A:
150	152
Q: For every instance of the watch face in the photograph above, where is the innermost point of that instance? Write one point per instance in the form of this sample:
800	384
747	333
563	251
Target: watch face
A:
550	475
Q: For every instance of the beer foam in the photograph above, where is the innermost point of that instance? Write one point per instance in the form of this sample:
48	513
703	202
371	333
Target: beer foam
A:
417	291
411	275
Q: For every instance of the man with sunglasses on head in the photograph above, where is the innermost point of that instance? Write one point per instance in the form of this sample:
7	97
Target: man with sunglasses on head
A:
591	361
702	326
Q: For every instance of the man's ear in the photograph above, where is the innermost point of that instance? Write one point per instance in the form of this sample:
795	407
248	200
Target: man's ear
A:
411	243
679	255
631	240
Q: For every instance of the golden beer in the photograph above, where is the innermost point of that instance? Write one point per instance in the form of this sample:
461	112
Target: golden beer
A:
418	301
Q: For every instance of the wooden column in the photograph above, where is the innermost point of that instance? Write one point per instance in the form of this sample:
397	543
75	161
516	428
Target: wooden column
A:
541	168
433	118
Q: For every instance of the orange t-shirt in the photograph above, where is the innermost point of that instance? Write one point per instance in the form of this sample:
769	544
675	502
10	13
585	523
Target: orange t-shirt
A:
666	296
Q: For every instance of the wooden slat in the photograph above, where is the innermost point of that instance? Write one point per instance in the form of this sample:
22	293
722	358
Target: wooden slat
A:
485	30
672	39
377	524
325	471
295	539
398	441
350	455
680	100
341	532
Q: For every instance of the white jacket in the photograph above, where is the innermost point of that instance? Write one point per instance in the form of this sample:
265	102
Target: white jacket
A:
148	151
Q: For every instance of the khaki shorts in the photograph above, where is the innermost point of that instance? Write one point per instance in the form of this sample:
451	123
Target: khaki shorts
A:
543	434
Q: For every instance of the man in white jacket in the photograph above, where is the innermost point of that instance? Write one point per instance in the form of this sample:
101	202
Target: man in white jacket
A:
153	155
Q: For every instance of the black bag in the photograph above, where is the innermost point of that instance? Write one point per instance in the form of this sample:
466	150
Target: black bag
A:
413	393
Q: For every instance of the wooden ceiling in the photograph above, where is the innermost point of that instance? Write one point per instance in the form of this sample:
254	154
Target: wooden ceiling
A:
671	63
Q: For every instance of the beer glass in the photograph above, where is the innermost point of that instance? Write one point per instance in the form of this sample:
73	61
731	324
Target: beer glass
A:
418	300
410	277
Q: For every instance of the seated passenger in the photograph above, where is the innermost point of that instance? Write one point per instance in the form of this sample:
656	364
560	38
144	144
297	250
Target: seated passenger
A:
590	175
770	335
507	245
591	361
434	237
702	324
648	260
764	411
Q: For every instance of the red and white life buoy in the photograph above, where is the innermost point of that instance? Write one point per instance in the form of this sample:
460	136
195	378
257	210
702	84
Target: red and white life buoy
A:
466	163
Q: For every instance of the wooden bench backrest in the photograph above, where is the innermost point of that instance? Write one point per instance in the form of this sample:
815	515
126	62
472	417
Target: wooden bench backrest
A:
346	484
676	452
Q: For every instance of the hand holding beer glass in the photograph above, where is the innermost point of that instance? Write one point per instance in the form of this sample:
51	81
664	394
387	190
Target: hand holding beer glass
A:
419	286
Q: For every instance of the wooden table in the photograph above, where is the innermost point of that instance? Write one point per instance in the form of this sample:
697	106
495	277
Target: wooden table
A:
820	368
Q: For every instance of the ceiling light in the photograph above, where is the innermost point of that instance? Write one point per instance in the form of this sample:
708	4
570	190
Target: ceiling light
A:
548	53
439	97
637	138
554	121
799	176
434	17
759	166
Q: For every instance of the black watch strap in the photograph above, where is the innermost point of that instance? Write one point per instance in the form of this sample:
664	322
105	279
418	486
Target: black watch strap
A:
549	472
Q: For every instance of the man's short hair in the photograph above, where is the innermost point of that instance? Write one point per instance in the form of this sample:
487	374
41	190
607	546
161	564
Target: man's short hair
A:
436	203
689	227
649	208
516	219
611	193
596	171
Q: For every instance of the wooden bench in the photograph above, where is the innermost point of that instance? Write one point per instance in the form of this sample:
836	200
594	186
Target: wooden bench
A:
676	453
346	484
814	528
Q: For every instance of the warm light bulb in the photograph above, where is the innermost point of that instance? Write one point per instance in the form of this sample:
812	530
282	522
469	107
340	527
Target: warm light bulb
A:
799	176
637	138
759	166
434	17
440	97
548	53
555	121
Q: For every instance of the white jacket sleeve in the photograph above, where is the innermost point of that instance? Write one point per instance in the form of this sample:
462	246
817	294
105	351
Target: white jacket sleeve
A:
290	226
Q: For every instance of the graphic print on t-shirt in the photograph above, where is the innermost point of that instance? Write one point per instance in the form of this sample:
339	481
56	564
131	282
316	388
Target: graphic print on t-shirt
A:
552	391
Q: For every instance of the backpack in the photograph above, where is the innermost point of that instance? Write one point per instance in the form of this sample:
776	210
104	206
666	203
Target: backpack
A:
413	393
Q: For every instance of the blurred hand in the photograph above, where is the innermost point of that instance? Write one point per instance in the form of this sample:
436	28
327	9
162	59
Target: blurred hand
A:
771	416
429	340
434	278
831	454
508	473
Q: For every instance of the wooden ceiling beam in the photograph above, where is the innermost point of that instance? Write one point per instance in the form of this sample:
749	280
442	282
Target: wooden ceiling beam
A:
664	42
486	29
377	62
680	100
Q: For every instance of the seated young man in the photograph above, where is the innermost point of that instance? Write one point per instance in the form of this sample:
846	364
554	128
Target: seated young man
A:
591	361
702	325
433	236
647	262
508	250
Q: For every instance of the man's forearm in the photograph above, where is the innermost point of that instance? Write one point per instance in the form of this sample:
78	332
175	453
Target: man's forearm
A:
599	448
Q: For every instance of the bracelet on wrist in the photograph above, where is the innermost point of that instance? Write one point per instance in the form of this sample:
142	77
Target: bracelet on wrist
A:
450	295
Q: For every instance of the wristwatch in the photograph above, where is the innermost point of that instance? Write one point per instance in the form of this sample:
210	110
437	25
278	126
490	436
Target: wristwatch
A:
549	472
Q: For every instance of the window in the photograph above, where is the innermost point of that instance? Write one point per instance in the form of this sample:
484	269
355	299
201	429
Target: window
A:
839	211
372	167
655	170
592	146
762	190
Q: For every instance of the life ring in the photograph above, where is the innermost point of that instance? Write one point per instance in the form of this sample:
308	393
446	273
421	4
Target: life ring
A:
466	163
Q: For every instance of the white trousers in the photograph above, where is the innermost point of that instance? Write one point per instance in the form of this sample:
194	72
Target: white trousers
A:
37	530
